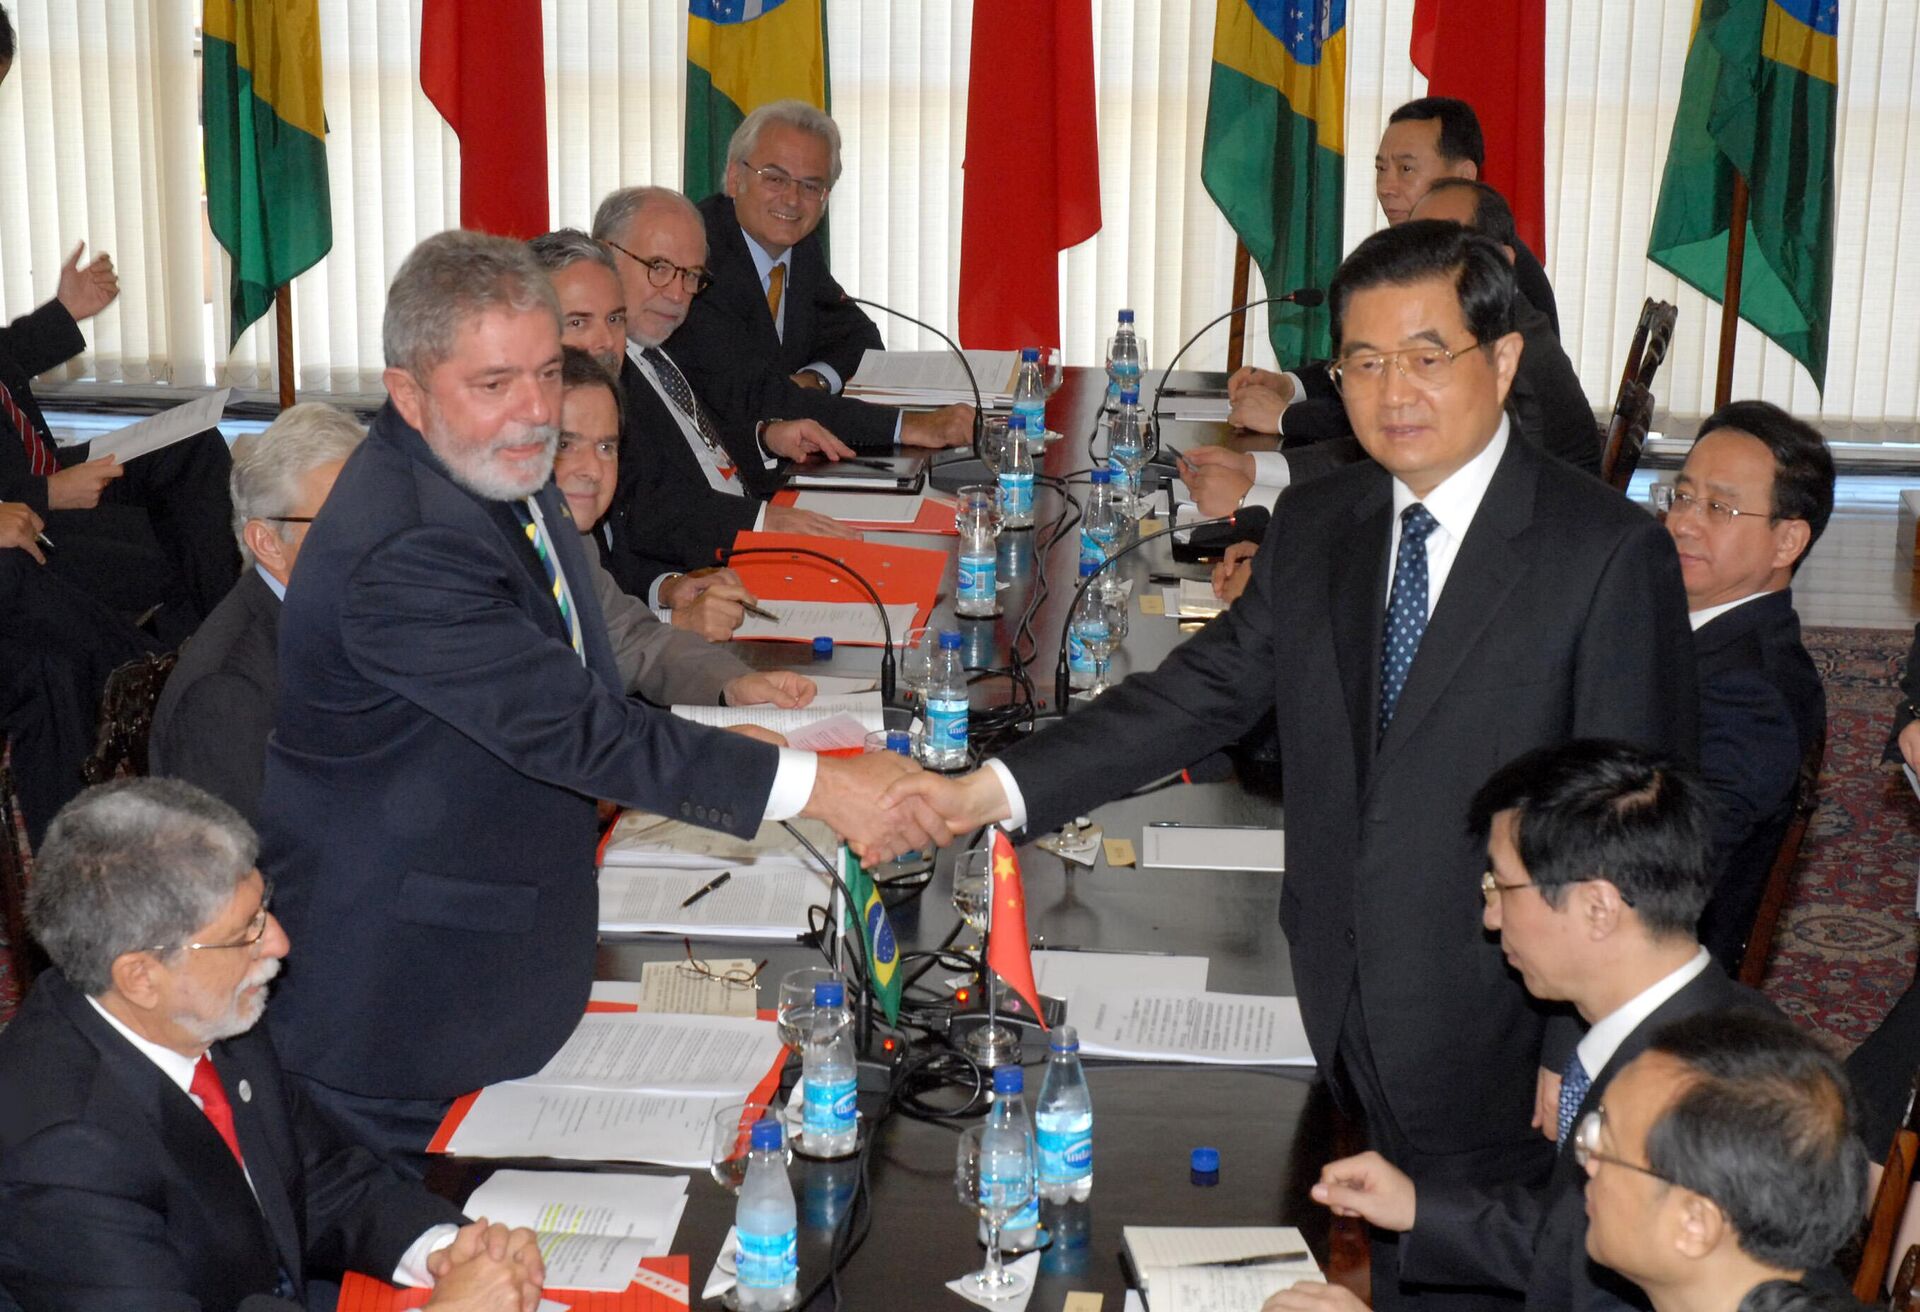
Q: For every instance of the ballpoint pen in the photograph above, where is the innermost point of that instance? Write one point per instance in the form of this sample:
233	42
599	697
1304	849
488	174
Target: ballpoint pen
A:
754	608
706	888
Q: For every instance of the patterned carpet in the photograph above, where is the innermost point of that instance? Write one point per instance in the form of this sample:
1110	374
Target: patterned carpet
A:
1845	949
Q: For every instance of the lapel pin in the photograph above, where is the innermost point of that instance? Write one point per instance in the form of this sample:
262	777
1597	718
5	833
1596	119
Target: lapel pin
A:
246	1091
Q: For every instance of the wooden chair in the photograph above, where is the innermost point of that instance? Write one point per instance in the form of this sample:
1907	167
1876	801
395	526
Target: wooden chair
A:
20	953
126	718
1633	403
1889	1204
1766	918
1902	1298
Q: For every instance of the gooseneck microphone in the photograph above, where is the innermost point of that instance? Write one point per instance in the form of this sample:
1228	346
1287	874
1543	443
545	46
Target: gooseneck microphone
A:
979	411
1305	297
729	554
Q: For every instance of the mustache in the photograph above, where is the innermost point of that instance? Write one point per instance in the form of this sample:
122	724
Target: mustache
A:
547	435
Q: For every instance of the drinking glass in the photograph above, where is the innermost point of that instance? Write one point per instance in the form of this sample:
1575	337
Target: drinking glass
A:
795	1016
732	1126
977	502
995	1184
973	886
993	440
1052	368
1100	622
916	660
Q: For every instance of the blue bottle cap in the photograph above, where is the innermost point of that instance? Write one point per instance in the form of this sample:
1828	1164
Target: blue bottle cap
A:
1029	353
950	640
1126	316
1102	476
900	742
1064	1039
764	1136
1016	423
1206	1161
823	648
1009	1079
831	993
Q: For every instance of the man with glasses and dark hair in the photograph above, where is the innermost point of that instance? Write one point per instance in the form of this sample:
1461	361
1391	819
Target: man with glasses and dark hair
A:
1752	499
1413	622
152	1152
1596	870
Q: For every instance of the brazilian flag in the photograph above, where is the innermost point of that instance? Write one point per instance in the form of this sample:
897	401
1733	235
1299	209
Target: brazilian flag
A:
867	912
1275	155
1760	98
741	54
266	153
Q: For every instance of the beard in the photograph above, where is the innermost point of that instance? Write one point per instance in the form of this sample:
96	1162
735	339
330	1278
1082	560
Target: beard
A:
242	1013
484	471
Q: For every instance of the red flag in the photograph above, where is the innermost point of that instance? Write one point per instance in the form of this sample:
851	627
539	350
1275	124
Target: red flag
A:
1009	954
1493	55
1032	185
482	66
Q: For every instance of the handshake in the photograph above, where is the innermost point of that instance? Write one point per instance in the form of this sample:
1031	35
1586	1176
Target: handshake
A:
884	804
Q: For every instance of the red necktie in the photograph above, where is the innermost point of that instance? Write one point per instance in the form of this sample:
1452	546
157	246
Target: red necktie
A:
212	1094
40	459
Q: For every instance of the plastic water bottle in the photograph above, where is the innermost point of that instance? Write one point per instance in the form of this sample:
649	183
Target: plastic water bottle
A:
831	1078
1008	1116
1126	443
1080	666
1030	395
1100	522
946	741
1126	356
1016	476
1063	1122
767	1265
976	591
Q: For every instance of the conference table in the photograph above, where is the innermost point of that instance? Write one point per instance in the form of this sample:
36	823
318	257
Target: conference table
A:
1273	1127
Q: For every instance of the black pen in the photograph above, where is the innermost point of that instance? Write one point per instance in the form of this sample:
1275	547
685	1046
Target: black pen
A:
45	541
706	888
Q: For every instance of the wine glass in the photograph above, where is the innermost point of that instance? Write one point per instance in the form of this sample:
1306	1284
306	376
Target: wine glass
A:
1100	623
993	1175
732	1128
973	886
916	660
1052	368
993	440
977	503
795	1016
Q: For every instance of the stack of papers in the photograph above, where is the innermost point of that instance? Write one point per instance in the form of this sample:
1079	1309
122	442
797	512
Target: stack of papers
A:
1225	1029
1180	1268
640	839
823	725
162	430
848	623
934	378
594	1229
767	900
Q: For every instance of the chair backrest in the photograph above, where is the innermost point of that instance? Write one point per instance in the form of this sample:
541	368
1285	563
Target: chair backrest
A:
1659	317
20	957
1633	403
1889	1205
126	718
1903	1296
1773	901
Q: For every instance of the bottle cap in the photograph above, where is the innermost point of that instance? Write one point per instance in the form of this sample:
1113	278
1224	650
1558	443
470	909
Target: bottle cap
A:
1029	353
899	742
823	648
1016	423
1102	476
1206	1161
1065	1039
1126	316
950	640
830	993
764	1136
1009	1079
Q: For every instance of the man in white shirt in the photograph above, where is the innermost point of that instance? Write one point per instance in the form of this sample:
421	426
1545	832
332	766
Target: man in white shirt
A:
151	1151
1597	870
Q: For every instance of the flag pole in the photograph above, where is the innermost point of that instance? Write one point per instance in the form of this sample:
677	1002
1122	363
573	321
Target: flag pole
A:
283	341
1730	295
1237	328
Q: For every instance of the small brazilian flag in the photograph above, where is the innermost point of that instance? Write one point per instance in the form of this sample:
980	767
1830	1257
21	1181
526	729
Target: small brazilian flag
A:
870	913
741	54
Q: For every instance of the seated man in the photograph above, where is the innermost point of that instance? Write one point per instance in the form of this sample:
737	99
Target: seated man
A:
1752	499
152	1153
773	334
211	724
1597	859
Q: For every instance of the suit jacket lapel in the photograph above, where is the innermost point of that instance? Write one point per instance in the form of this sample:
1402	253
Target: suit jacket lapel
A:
1357	601
573	564
746	297
272	1191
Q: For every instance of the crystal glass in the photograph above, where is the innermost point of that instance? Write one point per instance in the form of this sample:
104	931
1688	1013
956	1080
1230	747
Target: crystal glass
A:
1100	622
972	886
1053	369
1131	458
993	440
732	1125
795	1015
916	660
995	1185
977	502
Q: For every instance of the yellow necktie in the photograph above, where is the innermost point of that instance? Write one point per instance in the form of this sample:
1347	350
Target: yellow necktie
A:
776	282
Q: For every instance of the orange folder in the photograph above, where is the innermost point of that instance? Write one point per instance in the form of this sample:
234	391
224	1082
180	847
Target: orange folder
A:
661	1286
900	575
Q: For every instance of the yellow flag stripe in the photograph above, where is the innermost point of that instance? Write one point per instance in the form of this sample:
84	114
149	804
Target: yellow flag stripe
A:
277	44
1315	91
777	56
1787	40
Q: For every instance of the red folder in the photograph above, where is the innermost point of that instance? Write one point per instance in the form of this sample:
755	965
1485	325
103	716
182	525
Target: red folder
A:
661	1286
901	575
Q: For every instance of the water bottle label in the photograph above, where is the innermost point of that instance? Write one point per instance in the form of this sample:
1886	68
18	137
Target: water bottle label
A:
1095	547
1035	413
975	579
768	1261
947	725
1027	1218
829	1108
1016	495
1079	659
1065	1155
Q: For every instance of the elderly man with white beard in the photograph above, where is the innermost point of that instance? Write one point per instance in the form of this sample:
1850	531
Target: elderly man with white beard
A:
450	709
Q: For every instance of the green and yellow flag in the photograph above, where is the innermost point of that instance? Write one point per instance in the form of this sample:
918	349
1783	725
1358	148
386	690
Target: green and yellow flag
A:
869	914
1276	147
1760	98
740	55
266	154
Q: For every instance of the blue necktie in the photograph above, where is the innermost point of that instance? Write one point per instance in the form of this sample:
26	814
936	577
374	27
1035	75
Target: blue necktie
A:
537	538
1406	608
1574	1083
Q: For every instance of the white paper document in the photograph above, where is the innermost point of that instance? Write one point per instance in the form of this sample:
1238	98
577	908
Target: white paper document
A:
668	986
848	623
1229	1029
593	1227
662	1054
864	507
756	901
934	377
592	1125
1079	976
163	429
863	708
1173	1265
1220	1288
654	841
1212	847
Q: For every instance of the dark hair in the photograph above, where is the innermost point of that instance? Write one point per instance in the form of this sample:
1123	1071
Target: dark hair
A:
1594	809
578	369
1802	465
1798	1296
1420	249
1459	126
7	45
1766	1132
1492	216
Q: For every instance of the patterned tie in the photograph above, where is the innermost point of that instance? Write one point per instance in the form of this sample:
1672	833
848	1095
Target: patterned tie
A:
40	459
776	283
1406	608
206	1086
1574	1083
682	395
536	532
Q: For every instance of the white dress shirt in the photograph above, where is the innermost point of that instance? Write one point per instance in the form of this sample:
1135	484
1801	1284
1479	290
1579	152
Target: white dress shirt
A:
710	462
1597	1046
1700	618
179	1068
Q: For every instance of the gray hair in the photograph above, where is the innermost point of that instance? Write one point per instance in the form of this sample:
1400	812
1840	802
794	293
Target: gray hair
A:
130	865
795	114
449	278
268	466
566	247
622	207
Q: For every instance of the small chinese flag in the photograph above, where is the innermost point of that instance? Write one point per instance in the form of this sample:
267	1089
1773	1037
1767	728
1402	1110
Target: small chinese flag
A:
1008	953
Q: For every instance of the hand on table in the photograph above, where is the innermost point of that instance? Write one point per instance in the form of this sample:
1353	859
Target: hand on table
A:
792	519
1546	1088
963	804
780	687
950	425
798	439
1249	377
709	604
1217	477
1312	1296
86	292
1231	575
1257	409
78	487
1368	1186
20	527
850	794
488	1268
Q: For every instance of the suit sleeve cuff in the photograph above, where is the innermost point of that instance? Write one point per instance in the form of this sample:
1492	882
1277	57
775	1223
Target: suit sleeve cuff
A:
1016	803
1270	469
828	372
792	784
1298	390
412	1270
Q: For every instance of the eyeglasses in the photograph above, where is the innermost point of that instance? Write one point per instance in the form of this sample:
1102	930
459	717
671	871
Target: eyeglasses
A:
256	930
776	181
1491	888
1426	367
661	272
1586	1146
286	519
1674	501
733	979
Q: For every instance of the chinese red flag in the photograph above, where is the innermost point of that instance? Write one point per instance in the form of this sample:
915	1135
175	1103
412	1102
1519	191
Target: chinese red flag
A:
482	64
1009	953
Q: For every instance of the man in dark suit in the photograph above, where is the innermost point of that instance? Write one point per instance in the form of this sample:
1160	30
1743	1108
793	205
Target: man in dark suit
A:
1413	623
152	1154
1598	867
1754	496
450	706
774	334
